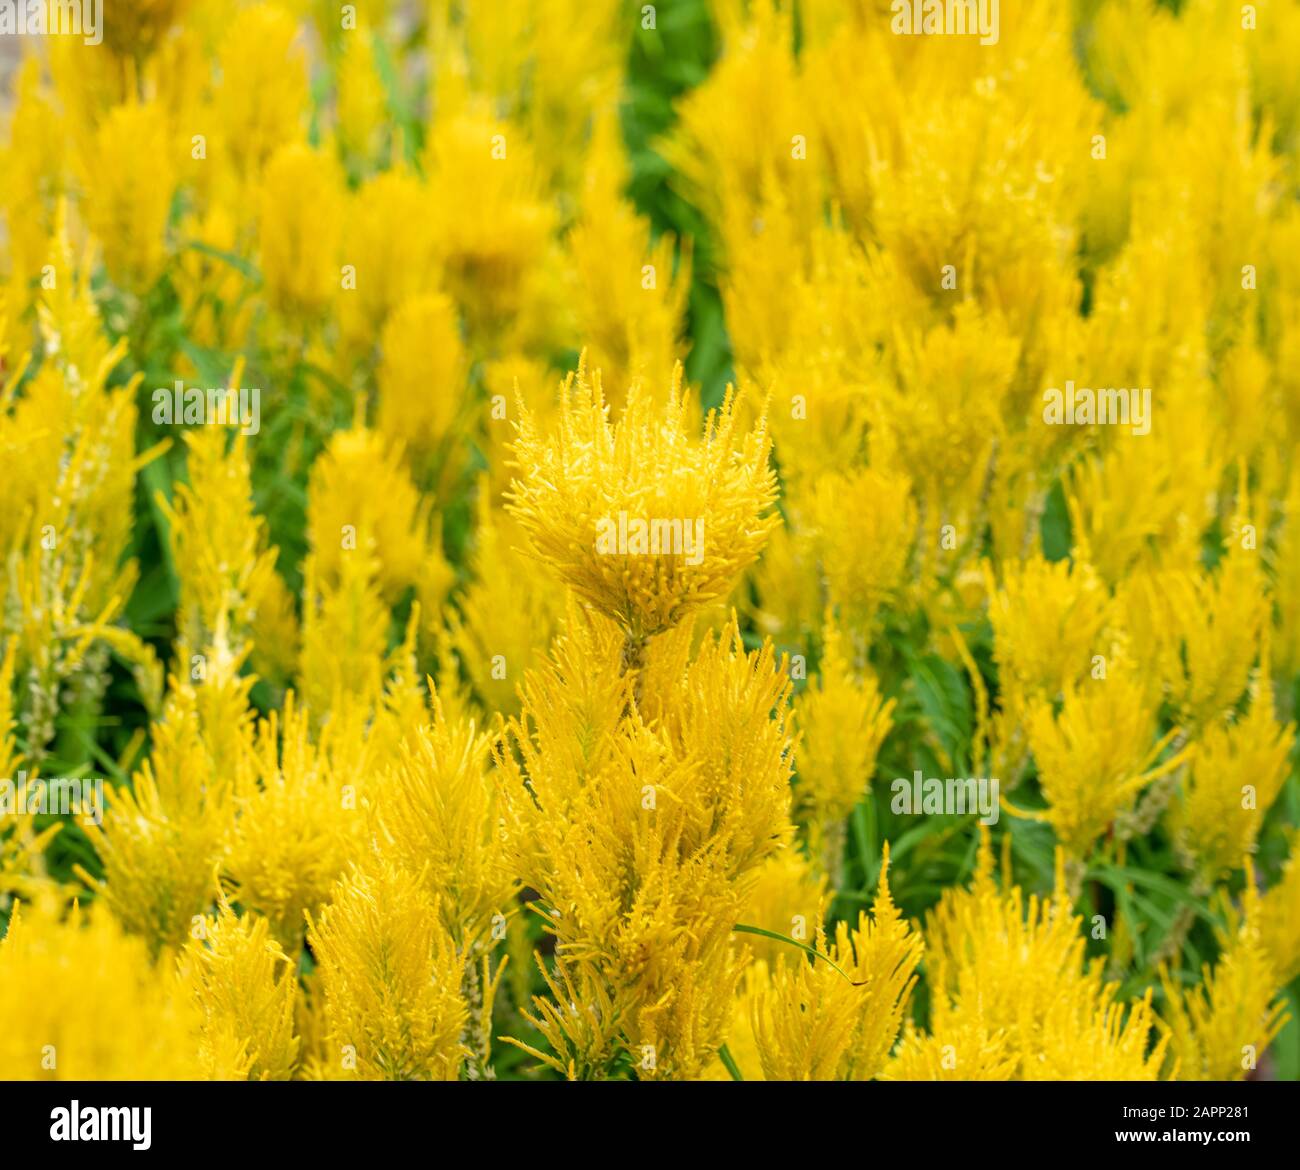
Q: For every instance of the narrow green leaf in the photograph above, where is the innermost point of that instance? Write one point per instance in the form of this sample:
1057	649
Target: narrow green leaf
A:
742	928
729	1063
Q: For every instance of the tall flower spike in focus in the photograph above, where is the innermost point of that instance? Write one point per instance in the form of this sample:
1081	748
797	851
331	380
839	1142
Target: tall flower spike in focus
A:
434	809
392	979
642	830
816	1022
644	518
244	986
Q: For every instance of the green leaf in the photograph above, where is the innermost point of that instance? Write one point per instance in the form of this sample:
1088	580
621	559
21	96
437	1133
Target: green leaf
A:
1112	874
729	1063
742	928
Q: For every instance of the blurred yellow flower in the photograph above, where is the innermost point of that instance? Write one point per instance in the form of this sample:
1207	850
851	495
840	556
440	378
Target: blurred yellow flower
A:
300	223
1096	755
842	719
105	1011
1220	1026
129	167
1235	775
262	97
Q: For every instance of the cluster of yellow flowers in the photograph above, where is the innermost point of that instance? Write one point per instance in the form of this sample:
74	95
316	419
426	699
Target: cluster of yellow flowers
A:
484	698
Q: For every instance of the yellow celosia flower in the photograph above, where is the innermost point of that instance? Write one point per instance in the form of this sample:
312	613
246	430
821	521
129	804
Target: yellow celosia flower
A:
1236	773
642	518
362	505
842	721
156	862
1172	470
1087	1035
67	527
638	830
300	815
741	1044
1220	1026
815	1023
508	382
1219	618
1049	620
34	165
21	867
1014	252
318	1061
948	452
1142	608
1009	984
788	897
1279	925
790	603
572	55
760	244
300	224
345	630
631	296
361	110
130	168
391	979
422	384
1096	755
434	814
505	618
490	225
958	1047
88	82
391	269
262	96
162	837
276	634
245	987
737	134
105	1011
218	544
864	523
728	708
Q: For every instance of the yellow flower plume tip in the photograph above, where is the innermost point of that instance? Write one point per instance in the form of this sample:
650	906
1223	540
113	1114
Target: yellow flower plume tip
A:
647	518
839	1020
245	988
391	977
